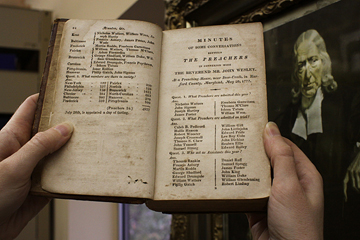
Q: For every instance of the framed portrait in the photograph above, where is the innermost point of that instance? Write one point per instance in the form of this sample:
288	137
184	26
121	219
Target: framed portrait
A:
326	128
317	57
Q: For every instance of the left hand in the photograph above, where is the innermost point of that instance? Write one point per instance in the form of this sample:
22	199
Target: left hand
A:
19	154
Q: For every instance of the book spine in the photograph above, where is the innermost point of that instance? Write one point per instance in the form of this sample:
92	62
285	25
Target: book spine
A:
45	75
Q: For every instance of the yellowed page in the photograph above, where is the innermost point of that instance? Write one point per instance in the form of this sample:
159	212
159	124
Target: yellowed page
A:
107	86
212	111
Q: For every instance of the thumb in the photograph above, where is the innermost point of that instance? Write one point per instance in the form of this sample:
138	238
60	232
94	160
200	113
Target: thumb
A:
39	146
280	154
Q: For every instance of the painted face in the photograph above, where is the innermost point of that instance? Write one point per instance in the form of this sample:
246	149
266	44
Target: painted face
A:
310	68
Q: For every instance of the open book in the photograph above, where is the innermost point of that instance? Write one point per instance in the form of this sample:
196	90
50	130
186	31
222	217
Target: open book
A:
174	118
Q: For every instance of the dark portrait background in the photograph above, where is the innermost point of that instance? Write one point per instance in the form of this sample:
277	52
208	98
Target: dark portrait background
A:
339	25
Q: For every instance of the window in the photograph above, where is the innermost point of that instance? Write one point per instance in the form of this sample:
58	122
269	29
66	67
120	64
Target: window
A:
137	222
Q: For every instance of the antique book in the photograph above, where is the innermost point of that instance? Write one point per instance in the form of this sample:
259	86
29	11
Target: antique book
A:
171	118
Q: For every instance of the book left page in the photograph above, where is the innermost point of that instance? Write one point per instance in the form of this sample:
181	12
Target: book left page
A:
106	85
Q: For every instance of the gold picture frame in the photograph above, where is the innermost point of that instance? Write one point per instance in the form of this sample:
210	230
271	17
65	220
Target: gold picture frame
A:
184	13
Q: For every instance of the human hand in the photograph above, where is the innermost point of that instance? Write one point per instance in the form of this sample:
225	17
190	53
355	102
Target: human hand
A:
353	175
296	204
19	154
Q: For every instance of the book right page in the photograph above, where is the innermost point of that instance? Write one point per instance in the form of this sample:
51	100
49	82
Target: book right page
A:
212	112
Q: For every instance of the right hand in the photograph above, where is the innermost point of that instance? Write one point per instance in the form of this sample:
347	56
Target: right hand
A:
296	204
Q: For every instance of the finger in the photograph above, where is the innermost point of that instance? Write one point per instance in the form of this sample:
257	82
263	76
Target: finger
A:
353	178
346	180
22	120
280	154
357	171
28	210
254	218
18	130
258	225
43	143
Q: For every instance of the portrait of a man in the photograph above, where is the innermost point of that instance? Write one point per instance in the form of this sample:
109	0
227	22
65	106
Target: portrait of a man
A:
312	76
315	101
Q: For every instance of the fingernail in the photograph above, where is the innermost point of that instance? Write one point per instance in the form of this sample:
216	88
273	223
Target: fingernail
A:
272	129
65	128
